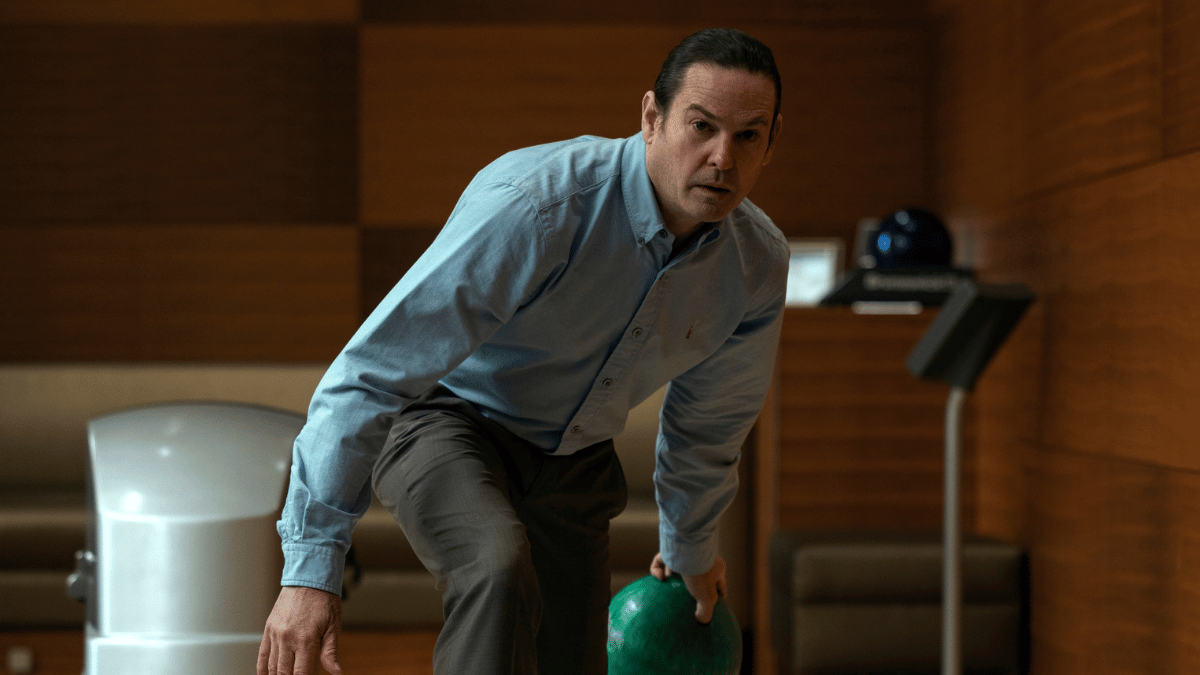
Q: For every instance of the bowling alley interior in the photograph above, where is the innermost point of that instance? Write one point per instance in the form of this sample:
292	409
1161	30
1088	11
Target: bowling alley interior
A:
990	465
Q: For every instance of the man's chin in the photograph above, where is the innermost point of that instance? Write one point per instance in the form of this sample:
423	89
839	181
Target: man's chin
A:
712	213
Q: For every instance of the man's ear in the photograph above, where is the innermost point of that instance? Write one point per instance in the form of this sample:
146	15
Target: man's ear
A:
651	116
775	129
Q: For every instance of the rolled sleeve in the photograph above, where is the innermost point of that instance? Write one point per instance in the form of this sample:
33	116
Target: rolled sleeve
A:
483	265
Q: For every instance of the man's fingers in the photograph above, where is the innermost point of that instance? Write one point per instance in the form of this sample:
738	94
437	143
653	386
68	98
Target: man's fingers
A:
264	657
707	588
289	654
329	650
276	659
704	611
303	651
659	568
706	603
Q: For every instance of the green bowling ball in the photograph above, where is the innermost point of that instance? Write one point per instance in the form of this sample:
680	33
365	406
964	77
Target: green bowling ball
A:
652	630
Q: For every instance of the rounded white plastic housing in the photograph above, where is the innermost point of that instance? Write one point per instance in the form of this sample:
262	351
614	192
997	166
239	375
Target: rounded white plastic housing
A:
187	559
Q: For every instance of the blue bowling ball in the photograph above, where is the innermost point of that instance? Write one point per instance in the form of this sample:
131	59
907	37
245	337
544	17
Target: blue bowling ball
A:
912	238
652	630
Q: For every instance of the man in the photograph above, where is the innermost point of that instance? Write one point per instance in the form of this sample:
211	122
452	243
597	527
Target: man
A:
479	400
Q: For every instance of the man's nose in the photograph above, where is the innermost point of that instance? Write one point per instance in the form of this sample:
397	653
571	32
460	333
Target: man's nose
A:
720	155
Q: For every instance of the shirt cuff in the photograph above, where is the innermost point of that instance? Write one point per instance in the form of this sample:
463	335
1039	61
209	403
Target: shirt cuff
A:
318	567
687	558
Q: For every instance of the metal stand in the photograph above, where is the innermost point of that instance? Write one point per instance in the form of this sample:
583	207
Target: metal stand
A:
952	540
973	323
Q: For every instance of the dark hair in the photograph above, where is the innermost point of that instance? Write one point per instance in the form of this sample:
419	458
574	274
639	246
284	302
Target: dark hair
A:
719	46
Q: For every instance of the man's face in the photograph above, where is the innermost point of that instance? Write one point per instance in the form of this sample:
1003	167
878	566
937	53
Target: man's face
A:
705	154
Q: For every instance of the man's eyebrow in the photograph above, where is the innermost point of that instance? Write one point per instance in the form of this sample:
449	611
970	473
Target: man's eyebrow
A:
759	121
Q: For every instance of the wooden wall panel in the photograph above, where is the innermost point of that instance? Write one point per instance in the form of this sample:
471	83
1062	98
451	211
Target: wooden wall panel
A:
1113	567
164	124
1123	325
980	182
386	254
861	439
177	292
1181	560
1087	448
176	11
1094	93
855	139
979	130
708	12
1181	76
441	102
1009	412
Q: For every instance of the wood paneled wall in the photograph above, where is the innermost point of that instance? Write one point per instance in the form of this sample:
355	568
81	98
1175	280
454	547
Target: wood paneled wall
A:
860	438
1068	154
243	180
176	190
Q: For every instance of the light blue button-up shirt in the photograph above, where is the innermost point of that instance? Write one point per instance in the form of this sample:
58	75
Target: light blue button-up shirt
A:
552	301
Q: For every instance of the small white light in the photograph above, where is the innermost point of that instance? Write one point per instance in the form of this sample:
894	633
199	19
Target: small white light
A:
131	502
20	660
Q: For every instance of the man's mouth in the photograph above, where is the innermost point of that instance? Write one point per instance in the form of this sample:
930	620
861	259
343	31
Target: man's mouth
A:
715	189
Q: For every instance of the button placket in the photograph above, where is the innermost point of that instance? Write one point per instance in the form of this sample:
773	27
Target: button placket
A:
579	430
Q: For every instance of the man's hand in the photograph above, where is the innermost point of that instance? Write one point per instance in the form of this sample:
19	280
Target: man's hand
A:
706	588
303	622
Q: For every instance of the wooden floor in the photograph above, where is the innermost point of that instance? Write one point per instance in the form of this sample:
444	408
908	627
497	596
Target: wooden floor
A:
361	652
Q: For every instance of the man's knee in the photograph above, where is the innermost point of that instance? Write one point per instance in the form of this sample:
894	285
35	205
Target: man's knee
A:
499	576
501	556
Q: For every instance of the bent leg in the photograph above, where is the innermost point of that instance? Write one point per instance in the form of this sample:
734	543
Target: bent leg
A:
448	486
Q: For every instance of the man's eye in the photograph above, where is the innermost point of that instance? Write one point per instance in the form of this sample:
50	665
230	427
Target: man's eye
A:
701	125
749	135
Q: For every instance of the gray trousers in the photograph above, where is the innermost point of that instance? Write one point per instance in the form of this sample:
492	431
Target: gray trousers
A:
517	539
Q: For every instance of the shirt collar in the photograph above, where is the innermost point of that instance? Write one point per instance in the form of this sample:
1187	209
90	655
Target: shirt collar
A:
641	206
645	220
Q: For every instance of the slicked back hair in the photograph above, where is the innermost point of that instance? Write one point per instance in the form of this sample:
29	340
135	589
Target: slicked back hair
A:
723	47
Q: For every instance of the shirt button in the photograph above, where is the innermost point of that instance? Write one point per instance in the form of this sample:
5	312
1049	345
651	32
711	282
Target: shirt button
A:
662	234
641	241
607	383
637	332
576	429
